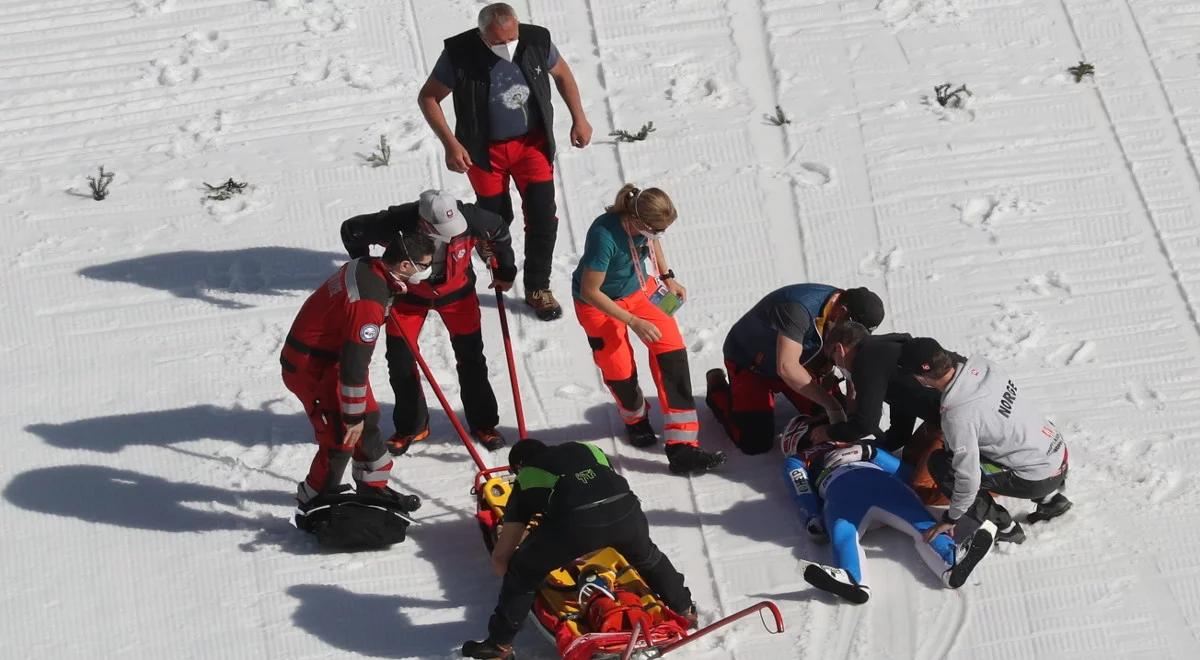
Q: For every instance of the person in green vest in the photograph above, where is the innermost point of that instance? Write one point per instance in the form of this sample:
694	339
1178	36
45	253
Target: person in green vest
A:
585	506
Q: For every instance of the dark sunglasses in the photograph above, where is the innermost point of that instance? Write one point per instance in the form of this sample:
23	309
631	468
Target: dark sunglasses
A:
407	257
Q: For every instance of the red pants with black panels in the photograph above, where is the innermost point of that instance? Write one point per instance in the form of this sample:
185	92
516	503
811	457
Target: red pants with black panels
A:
314	381
613	353
522	159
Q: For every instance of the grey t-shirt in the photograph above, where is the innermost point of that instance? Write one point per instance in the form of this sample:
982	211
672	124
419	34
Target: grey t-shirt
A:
510	108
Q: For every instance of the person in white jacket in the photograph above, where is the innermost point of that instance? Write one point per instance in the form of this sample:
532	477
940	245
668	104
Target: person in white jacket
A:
996	442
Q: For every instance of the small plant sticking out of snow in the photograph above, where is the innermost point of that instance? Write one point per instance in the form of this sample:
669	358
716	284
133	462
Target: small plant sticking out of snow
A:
99	185
948	98
777	119
1082	69
623	135
382	156
225	190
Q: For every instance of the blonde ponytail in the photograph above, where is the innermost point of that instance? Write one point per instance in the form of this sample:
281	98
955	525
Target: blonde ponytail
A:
652	207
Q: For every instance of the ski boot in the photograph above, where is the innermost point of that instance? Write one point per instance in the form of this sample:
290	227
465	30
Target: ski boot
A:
491	439
969	554
690	459
641	434
487	650
836	581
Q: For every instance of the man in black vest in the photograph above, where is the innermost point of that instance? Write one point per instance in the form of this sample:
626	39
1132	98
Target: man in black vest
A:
504	128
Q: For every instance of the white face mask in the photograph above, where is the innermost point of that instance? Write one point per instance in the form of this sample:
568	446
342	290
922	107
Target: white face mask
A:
505	51
651	235
420	276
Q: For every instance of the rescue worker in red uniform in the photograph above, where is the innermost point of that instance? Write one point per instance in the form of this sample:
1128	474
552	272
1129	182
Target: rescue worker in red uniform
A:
325	361
456	229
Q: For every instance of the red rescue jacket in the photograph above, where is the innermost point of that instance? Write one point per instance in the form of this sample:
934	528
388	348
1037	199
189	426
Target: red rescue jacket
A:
456	278
340	322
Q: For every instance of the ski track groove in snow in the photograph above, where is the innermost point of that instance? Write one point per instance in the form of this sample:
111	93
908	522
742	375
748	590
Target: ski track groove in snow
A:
1149	205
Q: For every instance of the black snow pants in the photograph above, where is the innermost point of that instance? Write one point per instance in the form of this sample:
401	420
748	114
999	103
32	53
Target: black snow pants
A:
997	479
554	543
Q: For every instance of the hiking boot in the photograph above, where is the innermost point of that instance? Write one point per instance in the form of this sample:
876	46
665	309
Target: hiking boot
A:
398	444
491	439
1014	534
305	494
641	434
969	553
836	581
716	379
690	459
1058	505
716	383
692	616
543	303
487	650
406	503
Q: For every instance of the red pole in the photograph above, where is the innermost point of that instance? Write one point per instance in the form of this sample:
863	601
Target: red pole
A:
512	366
462	432
763	605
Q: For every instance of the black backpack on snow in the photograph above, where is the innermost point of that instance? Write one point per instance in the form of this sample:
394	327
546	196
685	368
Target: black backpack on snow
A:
349	521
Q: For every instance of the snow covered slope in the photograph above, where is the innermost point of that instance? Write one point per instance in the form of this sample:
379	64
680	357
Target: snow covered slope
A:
151	451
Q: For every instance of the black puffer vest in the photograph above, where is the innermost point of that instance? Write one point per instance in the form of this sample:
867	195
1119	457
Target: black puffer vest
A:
472	61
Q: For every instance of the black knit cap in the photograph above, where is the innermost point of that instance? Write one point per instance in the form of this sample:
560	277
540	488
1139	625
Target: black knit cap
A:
917	355
525	450
863	306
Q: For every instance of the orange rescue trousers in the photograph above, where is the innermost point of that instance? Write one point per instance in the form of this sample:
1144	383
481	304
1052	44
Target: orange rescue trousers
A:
613	353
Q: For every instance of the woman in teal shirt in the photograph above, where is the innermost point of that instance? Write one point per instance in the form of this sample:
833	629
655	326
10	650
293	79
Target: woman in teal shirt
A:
614	293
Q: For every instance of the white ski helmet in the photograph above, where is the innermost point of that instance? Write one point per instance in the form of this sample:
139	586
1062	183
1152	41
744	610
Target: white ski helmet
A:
794	434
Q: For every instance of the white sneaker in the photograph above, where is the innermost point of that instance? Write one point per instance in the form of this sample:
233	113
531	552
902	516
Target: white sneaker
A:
969	554
836	581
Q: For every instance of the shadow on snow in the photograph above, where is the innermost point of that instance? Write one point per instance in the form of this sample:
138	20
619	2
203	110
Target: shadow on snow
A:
204	275
113	433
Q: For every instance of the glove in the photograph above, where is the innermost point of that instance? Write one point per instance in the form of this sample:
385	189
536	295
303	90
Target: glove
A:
816	530
868	450
849	454
505	274
836	416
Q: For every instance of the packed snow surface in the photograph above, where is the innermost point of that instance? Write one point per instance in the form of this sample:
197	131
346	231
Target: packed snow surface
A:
151	451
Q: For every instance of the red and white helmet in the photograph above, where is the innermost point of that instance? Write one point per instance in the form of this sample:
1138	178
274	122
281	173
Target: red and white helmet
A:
794	436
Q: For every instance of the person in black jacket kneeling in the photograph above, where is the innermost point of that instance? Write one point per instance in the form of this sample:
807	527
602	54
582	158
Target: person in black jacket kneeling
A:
585	506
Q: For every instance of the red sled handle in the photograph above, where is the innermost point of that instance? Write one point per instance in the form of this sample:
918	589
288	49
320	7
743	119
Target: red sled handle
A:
757	607
512	366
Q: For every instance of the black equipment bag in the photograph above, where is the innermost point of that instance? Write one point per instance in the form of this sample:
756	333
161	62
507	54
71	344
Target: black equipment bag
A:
349	521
